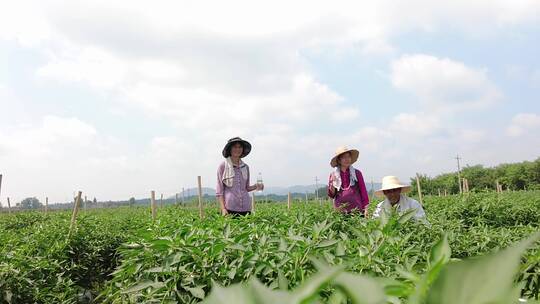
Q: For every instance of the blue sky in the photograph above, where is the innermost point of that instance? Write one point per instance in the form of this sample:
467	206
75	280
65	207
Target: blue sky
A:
117	99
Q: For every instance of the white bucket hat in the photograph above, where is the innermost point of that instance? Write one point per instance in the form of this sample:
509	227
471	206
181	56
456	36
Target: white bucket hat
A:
392	182
342	150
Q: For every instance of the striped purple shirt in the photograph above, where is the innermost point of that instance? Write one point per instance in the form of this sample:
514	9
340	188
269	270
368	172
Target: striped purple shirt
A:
236	197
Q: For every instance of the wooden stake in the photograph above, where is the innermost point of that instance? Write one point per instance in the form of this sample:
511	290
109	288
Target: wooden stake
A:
419	189
253	202
153	204
161	201
46	204
439	191
8	205
85	202
199	183
445	192
497	186
176	199
0	184
289	201
75	212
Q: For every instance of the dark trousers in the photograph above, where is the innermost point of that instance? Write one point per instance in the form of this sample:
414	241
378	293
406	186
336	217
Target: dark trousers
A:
238	213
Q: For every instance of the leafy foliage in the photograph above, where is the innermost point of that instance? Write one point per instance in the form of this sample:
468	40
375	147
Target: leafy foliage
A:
120	255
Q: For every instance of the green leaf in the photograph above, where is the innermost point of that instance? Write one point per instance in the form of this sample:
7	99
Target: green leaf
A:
231	273
406	216
282	280
488	279
197	292
251	293
440	251
310	288
236	247
143	285
327	243
340	250
361	289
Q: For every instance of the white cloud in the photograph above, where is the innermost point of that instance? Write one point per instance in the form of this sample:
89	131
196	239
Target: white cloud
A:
235	69
523	123
535	78
92	66
56	156
443	84
408	124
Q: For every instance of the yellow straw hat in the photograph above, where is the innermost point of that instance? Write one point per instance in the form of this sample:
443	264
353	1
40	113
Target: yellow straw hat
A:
342	150
392	182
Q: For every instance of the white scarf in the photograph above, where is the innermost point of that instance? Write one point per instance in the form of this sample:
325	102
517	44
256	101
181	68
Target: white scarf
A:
228	173
337	183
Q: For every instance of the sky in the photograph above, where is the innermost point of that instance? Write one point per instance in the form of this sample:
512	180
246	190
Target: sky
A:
118	98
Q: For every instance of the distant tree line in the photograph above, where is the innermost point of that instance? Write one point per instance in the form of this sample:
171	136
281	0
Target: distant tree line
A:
515	176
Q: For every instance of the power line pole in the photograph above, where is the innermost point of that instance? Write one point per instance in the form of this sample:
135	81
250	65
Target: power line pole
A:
183	197
459	174
317	187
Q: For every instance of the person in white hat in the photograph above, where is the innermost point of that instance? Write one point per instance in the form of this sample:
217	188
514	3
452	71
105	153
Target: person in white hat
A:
394	191
346	183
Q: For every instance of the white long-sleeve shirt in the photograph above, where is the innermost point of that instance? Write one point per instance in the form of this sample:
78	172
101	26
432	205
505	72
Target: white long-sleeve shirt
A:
405	203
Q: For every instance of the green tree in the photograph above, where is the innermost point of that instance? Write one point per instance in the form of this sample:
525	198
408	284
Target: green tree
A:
31	203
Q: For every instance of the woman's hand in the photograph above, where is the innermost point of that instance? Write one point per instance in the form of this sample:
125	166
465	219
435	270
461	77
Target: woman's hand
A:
221	200
259	187
332	189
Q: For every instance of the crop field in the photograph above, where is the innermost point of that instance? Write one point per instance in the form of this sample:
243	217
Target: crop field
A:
308	254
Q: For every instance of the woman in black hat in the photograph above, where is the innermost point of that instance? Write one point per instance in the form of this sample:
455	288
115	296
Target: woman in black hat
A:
233	186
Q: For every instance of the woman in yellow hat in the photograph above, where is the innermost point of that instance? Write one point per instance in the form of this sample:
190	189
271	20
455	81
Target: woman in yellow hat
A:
346	183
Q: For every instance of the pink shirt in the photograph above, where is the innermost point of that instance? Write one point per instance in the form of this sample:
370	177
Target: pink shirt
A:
350	198
236	197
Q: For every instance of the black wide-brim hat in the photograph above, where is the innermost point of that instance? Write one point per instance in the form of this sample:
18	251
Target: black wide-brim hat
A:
227	149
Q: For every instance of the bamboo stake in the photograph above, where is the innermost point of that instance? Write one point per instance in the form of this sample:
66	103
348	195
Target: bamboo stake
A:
46	204
75	212
161	201
9	205
85	202
289	201
153	204
445	192
199	183
419	189
498	186
176	199
439	191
